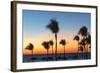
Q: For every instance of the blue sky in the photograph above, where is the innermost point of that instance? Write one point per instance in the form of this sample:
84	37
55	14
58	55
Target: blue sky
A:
35	22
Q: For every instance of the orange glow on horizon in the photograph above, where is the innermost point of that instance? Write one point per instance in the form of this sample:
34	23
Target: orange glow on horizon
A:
71	46
68	50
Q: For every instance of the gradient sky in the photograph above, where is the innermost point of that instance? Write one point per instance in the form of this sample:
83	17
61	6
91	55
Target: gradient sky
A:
35	31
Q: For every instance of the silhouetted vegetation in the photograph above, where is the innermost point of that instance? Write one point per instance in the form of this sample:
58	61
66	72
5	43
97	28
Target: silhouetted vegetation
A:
30	47
77	39
88	41
45	44
83	32
51	44
63	42
84	39
54	27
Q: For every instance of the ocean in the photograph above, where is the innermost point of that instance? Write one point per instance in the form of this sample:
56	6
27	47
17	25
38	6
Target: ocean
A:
60	56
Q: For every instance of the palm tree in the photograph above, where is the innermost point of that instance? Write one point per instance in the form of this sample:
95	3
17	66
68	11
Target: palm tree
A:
77	39
63	42
53	26
88	41
82	46
30	47
45	44
83	43
81	49
83	32
51	44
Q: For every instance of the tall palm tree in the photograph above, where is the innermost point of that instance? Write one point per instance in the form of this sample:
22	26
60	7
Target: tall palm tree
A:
88	41
45	44
83	32
81	49
53	26
77	39
83	43
51	44
63	42
30	47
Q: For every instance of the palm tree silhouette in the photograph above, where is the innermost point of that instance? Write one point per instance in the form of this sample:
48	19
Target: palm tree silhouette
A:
30	47
51	44
77	39
63	42
53	26
83	32
88	41
82	46
45	44
83	43
81	49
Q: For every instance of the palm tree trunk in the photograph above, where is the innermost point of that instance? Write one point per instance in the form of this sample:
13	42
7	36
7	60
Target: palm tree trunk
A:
52	52
32	54
78	49
87	48
56	46
87	51
84	51
47	54
64	51
87	44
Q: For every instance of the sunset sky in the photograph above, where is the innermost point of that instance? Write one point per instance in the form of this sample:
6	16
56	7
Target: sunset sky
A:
35	31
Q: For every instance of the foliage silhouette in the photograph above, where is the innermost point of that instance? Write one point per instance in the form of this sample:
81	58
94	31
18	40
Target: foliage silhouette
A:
81	49
83	32
88	41
63	42
51	44
45	44
30	46
77	39
84	39
54	27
